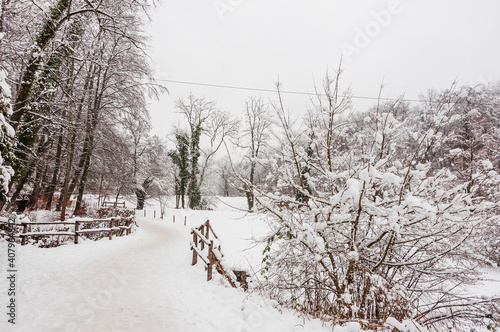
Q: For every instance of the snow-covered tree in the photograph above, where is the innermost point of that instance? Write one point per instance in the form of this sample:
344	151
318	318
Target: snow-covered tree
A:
84	69
228	184
208	128
220	127
256	133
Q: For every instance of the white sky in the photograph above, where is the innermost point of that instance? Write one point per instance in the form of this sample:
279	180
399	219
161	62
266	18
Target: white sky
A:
249	43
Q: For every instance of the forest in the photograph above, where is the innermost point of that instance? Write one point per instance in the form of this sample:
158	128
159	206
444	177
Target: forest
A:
385	212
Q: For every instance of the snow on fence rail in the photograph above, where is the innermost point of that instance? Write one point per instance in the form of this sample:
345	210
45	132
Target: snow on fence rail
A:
213	255
117	225
113	204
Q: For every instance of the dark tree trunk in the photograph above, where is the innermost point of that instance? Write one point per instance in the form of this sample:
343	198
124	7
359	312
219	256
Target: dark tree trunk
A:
141	197
92	118
177	193
118	194
141	193
19	188
40	165
248	191
194	193
83	182
53	182
100	191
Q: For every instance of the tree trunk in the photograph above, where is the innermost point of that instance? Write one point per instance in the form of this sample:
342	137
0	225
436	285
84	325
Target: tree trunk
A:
63	201
100	191
4	5
15	195
34	165
249	192
141	196
118	194
177	193
141	193
40	165
83	182
53	183
194	193
89	141
87	148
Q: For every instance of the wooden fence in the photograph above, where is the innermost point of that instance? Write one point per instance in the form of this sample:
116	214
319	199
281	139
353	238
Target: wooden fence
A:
212	255
113	204
118	226
163	216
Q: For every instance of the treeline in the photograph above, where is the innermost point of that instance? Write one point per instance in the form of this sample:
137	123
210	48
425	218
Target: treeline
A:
78	76
388	212
378	213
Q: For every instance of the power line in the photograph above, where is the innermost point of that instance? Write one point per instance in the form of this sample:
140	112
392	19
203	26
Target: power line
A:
274	91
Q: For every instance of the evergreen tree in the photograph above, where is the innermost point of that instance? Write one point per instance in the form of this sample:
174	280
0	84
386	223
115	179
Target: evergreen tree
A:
180	158
194	192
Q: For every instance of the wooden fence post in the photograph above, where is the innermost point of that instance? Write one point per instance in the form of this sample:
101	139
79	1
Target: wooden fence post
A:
185	217
118	221
195	254
202	243
173	218
25	230
120	230
210	260
77	228
154	214
111	222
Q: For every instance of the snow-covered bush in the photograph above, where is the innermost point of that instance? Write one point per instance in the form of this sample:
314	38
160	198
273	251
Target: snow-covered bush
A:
372	231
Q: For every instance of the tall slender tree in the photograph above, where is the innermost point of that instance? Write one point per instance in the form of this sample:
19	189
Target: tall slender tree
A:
180	158
256	132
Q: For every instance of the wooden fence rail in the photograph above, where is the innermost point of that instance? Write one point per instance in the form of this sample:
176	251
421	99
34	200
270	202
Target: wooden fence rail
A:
113	204
118	226
201	236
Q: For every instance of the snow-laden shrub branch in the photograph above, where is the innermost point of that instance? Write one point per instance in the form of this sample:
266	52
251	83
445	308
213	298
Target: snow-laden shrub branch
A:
366	227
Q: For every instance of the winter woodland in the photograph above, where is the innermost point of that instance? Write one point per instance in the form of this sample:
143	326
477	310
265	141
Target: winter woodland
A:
375	215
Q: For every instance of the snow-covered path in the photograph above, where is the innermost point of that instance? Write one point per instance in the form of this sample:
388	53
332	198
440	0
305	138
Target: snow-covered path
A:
142	282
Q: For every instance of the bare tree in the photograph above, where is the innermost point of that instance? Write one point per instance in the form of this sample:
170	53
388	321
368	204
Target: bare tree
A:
229	183
257	133
220	127
197	111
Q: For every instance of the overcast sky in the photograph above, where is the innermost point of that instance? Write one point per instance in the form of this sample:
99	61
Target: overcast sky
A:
410	45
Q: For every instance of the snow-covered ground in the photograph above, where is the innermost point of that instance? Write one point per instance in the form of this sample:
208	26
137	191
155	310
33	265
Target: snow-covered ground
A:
145	282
